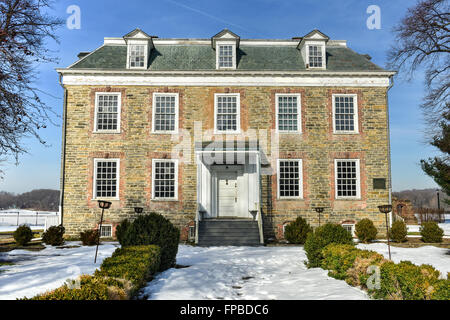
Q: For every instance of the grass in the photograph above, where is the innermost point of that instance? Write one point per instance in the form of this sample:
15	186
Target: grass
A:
417	242
33	246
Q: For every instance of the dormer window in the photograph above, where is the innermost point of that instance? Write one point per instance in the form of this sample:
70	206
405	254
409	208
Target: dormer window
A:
226	44
315	56
139	46
313	50
137	55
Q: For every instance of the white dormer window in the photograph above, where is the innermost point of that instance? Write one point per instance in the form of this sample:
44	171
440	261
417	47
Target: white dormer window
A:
226	56
137	55
315	56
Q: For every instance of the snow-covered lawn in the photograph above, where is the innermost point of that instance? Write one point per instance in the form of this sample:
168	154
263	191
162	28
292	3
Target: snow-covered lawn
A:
437	257
35	272
416	228
247	273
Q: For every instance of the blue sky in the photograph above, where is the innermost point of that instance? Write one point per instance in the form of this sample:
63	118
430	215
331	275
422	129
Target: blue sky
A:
282	19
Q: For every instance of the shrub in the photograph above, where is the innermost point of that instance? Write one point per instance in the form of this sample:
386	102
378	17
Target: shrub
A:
135	264
153	228
120	277
296	232
89	237
121	229
441	290
54	235
431	232
406	281
398	231
365	230
320	238
23	235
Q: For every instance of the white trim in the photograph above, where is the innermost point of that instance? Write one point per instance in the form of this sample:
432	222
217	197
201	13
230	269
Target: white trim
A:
119	108
355	118
299	112
353	227
313	78
238	113
94	179
175	198
300	177
171	94
106	225
233	50
358	181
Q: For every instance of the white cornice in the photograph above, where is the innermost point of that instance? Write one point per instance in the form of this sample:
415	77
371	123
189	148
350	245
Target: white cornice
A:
288	79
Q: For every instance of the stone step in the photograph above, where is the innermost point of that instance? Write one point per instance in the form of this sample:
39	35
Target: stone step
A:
228	232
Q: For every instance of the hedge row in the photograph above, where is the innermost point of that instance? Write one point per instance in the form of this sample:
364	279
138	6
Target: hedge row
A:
401	281
119	278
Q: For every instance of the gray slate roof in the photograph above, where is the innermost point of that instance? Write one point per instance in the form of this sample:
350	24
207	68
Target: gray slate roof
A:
203	57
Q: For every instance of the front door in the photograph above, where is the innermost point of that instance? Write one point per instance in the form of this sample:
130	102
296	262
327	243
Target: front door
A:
227	195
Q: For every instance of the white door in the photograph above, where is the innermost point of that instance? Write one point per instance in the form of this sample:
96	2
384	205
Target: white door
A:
227	194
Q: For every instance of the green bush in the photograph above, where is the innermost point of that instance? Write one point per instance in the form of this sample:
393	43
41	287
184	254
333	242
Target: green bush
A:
54	235
153	228
441	290
320	238
135	264
398	231
296	232
365	230
120	277
406	281
431	232
23	235
121	229
89	237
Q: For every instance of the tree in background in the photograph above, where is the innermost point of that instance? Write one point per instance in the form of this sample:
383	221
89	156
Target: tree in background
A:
439	167
24	29
423	40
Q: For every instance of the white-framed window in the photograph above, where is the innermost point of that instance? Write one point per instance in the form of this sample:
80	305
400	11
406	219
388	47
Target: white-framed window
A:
347	179
191	235
345	113
106	231
349	227
106	178
165	179
165	112
316	56
107	112
226	56
288	113
227	113
290	178
137	56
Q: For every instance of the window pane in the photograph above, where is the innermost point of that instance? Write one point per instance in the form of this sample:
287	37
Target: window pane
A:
289	178
346	180
137	56
106	179
315	56
164	179
288	113
226	56
107	112
226	113
344	113
165	113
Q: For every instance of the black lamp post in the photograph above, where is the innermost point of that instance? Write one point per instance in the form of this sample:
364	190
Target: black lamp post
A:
438	202
103	205
138	210
319	210
386	208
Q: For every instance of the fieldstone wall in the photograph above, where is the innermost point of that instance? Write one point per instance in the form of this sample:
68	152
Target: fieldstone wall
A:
136	146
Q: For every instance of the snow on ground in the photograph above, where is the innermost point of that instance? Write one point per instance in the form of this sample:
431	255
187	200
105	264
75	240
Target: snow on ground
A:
38	271
416	228
437	257
251	273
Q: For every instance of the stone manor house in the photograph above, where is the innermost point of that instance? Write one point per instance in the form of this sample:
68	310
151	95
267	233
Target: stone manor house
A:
229	138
